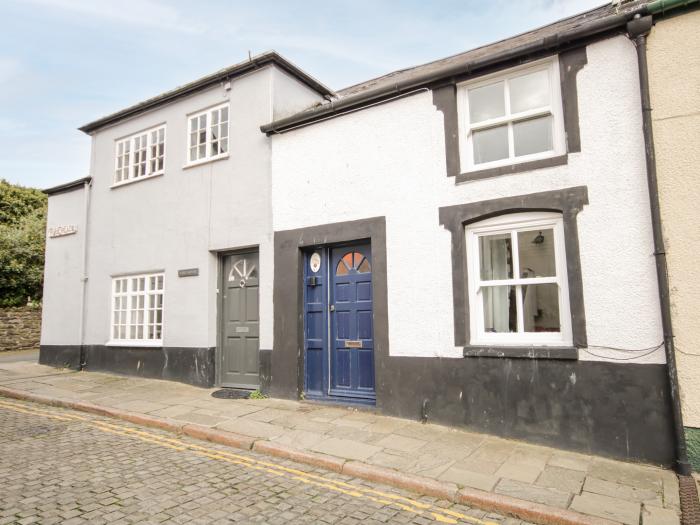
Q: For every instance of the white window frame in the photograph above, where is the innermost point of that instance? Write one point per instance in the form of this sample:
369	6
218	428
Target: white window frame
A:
554	109
131	168
208	157
513	223
126	308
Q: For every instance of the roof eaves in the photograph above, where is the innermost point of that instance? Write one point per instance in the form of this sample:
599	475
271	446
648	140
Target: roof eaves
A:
68	186
256	62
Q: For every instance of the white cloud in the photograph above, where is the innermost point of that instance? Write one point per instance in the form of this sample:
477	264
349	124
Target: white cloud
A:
145	13
9	69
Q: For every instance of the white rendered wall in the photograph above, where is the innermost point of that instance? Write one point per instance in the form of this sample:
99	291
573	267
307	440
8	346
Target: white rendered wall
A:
60	313
389	160
289	95
181	219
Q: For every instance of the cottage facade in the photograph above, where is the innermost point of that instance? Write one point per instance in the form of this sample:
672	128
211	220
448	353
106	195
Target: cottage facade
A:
468	242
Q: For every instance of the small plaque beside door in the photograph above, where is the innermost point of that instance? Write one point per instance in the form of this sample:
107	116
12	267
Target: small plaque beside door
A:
353	344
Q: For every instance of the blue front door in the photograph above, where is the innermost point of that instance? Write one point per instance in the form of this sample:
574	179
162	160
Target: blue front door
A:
339	340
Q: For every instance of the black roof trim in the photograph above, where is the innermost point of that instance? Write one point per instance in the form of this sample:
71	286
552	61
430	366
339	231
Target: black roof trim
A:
255	62
68	186
565	32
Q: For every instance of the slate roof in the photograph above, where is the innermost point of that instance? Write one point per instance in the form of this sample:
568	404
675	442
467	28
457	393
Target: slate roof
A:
540	33
550	36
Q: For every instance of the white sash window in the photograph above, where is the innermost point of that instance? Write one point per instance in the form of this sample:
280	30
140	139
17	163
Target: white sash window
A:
140	156
512	117
208	134
137	309
518	292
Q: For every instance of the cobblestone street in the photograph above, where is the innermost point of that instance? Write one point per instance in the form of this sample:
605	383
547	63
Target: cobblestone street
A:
61	466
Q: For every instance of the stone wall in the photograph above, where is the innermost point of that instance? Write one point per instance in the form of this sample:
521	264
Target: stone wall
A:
20	328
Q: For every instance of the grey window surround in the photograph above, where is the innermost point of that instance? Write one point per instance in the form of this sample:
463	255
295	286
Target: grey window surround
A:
571	62
569	202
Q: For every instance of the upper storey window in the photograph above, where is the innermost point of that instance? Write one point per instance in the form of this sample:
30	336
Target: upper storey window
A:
511	117
140	155
208	134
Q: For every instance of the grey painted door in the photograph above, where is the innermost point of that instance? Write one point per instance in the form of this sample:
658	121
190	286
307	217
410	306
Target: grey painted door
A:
240	322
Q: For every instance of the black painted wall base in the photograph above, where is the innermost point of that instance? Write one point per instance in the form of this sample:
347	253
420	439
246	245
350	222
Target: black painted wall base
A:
265	371
60	356
194	366
615	410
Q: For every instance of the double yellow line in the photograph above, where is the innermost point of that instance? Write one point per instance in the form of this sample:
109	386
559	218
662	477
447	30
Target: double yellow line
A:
385	498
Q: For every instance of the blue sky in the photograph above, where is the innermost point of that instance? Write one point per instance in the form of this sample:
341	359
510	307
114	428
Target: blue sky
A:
64	63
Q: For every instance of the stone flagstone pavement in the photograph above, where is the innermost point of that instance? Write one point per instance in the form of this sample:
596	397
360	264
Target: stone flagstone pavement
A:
627	493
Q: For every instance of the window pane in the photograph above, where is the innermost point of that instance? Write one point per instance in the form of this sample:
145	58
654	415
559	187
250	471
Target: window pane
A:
496	257
364	267
490	144
529	91
541	308
499	309
486	102
532	136
536	253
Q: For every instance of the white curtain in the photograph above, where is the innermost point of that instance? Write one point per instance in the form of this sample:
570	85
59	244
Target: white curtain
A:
496	307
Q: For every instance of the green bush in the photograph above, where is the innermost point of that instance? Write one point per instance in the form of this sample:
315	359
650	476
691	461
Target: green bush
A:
22	240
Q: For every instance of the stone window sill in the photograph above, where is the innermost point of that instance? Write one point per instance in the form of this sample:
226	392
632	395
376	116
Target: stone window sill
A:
509	169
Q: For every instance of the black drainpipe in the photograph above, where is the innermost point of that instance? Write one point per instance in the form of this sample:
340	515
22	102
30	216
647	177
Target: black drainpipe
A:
637	30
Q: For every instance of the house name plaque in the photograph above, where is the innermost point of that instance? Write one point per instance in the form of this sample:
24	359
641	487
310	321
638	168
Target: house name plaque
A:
62	231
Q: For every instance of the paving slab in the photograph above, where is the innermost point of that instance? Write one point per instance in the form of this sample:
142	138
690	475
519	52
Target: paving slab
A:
570	461
201	419
562	479
622	491
266	414
606	507
529	492
256	429
478	465
387	459
652	515
468	478
430	466
345	448
494	451
638	476
401	443
519	471
299	438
